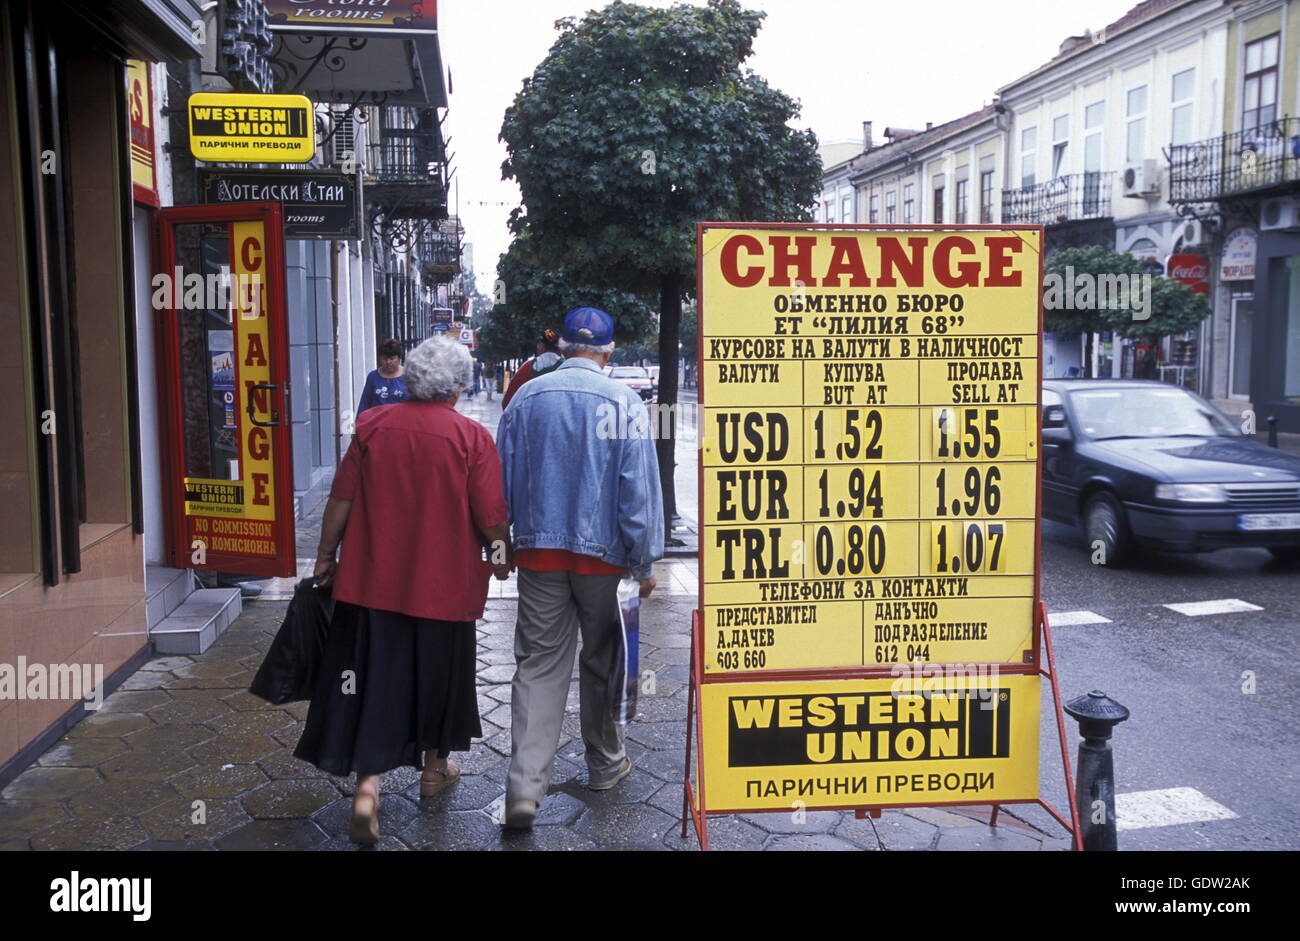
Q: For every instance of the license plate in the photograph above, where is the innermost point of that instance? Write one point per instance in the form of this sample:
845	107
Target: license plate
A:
1254	521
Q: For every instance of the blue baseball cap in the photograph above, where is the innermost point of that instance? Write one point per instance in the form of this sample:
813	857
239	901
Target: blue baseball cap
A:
589	326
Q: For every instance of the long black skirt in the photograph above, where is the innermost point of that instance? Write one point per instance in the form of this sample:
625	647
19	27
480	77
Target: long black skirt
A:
391	687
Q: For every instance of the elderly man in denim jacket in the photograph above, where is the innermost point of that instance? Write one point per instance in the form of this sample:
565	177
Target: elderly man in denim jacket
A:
582	484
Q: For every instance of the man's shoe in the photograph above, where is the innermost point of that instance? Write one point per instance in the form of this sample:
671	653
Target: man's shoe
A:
623	771
520	814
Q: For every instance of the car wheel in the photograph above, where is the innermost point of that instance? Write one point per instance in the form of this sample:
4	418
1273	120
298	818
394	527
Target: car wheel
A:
1289	554
1104	523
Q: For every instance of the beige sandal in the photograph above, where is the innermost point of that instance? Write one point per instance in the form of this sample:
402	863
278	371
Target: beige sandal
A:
445	779
364	827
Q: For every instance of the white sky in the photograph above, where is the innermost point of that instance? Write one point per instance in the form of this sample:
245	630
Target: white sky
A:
846	61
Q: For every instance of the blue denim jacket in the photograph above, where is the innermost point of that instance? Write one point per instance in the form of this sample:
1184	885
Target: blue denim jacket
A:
579	467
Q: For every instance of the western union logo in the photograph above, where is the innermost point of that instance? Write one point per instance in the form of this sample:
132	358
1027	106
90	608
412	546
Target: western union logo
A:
827	729
251	128
249	122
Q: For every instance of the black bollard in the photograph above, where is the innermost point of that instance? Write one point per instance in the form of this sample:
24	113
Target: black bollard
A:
1272	430
1094	779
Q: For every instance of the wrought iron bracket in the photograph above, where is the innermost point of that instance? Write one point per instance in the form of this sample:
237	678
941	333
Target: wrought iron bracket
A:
355	107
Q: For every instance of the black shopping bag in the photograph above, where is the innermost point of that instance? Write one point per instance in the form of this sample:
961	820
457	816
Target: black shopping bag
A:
288	674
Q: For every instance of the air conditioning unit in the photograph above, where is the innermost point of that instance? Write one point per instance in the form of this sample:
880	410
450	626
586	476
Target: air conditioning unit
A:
1193	233
1141	178
347	143
1280	213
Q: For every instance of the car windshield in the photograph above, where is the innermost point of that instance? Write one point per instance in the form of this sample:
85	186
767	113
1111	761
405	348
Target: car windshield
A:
629	372
1147	412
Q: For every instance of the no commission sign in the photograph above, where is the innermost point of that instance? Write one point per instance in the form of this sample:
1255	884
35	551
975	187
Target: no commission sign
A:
870	447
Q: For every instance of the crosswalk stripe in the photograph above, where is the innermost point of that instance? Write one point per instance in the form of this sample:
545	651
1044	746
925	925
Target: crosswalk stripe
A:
1219	606
1067	618
1167	807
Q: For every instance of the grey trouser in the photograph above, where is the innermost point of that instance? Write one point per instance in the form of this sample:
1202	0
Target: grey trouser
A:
553	608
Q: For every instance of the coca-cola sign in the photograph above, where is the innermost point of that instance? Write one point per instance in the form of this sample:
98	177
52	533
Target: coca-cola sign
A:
1192	270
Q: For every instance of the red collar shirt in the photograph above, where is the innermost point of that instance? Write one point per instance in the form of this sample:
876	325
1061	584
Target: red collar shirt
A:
424	481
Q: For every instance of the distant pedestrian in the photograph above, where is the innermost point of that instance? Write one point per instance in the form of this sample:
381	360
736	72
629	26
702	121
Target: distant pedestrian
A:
384	385
489	378
415	501
478	377
587	511
548	358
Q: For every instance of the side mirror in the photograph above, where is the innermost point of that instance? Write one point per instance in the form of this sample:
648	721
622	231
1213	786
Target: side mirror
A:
1056	428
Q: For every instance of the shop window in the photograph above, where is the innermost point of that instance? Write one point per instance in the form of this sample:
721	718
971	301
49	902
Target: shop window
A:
986	197
1028	156
1060	145
68	283
19	431
1135	117
1259	87
1182	101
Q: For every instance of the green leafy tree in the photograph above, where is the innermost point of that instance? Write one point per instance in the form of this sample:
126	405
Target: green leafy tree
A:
1170	308
538	295
1174	307
639	124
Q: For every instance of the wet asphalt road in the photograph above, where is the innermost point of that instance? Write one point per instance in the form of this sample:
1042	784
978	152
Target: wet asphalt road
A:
1182	677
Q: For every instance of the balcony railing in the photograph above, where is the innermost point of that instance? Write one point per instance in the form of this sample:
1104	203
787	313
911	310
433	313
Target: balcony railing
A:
440	256
406	147
1241	162
399	314
1065	199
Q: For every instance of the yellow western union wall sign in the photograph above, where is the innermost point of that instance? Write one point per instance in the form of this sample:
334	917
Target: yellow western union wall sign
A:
239	128
876	743
869	446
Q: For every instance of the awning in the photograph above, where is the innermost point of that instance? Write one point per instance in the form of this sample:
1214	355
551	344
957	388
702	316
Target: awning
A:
154	30
321	53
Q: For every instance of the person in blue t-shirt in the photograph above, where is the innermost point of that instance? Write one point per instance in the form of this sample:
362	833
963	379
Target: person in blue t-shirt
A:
384	385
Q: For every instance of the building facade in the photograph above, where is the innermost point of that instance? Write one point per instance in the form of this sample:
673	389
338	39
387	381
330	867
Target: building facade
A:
127	401
1087	139
77	393
1240	180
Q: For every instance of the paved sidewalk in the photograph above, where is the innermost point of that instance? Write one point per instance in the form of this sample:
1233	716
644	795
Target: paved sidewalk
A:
185	730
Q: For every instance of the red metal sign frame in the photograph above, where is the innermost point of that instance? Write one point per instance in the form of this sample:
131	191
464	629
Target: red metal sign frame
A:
285	562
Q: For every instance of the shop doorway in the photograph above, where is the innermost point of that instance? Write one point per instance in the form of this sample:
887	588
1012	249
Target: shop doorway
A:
223	357
1239	346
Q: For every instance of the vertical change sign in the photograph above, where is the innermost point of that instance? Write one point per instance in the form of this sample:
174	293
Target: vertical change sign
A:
869	447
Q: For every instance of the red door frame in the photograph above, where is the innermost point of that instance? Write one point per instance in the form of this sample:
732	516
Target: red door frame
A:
285	563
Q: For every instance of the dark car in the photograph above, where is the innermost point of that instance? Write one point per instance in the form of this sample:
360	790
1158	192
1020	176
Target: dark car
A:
1152	466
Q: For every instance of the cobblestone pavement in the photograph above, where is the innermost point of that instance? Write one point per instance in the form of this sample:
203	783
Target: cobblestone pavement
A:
185	730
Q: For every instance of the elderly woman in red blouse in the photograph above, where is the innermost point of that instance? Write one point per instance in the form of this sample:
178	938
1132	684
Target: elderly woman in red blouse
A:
415	502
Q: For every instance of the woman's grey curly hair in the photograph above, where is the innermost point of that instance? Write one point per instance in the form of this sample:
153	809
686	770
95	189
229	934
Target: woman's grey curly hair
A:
438	370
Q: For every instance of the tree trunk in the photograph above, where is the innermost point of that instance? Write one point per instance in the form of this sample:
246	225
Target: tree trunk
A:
665	422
